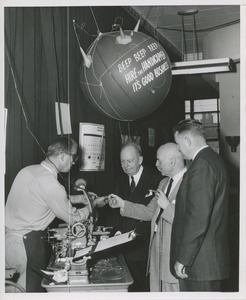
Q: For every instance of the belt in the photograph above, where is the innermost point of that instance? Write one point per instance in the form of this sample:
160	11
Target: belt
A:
19	233
36	234
25	233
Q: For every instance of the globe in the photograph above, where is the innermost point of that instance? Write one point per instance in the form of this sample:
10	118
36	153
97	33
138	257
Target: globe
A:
127	79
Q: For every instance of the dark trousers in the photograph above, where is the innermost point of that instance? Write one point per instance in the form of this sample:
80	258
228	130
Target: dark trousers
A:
35	243
199	286
138	272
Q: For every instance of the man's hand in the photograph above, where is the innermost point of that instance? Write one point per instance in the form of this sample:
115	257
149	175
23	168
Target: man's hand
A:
92	195
115	201
100	201
162	200
180	270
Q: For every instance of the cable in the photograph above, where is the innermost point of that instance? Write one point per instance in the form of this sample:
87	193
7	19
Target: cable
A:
202	29
82	28
18	94
116	25
98	30
57	79
19	287
68	53
128	125
68	77
24	113
23	110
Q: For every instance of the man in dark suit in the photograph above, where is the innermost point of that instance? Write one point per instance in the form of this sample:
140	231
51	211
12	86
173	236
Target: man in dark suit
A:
199	243
134	185
160	210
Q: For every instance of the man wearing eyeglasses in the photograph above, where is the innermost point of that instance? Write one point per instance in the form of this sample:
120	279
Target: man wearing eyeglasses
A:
35	199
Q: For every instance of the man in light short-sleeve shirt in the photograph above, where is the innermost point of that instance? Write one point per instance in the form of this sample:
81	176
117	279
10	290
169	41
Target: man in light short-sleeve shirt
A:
35	199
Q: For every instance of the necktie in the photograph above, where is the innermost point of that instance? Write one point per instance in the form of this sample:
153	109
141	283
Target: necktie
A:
161	209
133	184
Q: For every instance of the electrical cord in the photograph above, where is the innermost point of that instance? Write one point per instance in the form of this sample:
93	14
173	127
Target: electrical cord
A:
16	285
18	94
202	29
26	120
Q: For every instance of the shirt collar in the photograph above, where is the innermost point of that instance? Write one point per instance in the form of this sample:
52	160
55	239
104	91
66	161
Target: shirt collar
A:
137	175
179	175
49	167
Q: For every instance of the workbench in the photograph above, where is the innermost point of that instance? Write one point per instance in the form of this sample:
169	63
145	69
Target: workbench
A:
105	275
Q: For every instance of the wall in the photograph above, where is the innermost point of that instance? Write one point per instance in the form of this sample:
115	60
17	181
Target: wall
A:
223	42
218	44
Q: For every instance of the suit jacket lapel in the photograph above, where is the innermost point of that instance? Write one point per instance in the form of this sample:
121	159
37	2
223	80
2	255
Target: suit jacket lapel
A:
141	183
174	192
126	187
162	187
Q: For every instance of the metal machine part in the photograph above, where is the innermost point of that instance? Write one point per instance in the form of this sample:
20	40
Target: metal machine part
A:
66	240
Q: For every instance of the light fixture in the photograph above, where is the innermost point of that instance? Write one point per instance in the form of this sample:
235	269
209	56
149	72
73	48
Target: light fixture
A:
203	66
233	141
198	66
183	14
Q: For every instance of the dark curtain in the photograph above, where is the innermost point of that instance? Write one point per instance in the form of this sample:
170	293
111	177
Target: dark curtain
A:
42	53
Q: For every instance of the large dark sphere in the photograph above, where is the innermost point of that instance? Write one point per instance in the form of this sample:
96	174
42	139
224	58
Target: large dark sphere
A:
126	82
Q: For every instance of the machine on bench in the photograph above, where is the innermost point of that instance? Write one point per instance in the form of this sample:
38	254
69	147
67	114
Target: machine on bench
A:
73	246
66	241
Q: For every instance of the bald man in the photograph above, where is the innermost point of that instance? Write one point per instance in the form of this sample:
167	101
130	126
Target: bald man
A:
170	163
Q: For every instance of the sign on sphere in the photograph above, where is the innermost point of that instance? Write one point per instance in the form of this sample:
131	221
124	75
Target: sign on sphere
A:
126	82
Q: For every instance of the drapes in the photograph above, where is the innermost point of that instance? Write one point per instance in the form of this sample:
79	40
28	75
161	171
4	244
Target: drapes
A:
45	59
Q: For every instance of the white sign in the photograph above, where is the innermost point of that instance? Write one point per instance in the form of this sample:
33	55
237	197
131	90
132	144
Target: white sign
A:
92	147
63	121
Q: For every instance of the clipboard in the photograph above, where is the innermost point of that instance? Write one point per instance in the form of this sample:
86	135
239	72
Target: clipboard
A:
105	244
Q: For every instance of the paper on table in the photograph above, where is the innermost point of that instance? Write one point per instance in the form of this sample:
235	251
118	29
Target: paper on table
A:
105	244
